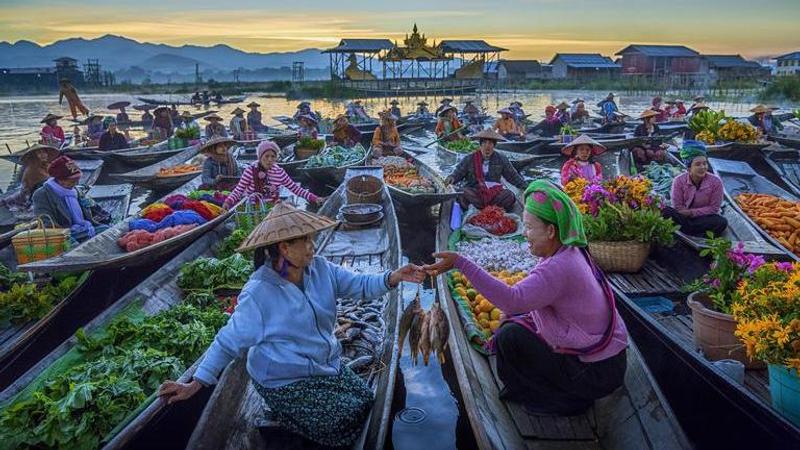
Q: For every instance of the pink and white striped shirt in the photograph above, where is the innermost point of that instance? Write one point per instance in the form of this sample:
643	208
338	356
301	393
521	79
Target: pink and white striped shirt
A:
276	177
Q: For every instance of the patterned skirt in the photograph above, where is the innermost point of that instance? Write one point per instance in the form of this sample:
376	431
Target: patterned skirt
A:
327	410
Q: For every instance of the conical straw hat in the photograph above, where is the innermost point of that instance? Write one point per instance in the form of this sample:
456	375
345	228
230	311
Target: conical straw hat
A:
647	113
283	223
760	109
488	133
597	148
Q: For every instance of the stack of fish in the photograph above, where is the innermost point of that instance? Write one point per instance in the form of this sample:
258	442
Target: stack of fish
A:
427	331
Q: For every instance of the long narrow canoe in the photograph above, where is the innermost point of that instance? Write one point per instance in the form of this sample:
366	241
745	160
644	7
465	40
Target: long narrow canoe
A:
422	200
281	138
328	175
524	146
149	176
635	416
103	252
786	163
610	144
143	156
739	178
234	412
518	160
787	141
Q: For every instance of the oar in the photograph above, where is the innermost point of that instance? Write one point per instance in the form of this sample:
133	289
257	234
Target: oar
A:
444	137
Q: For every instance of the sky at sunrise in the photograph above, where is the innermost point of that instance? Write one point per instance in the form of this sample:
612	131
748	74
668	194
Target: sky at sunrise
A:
529	28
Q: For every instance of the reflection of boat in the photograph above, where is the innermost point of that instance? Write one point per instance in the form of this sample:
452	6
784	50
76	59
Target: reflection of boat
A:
234	413
634	416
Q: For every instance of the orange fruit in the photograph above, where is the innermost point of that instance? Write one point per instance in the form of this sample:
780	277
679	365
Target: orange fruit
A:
494	325
483	316
495	314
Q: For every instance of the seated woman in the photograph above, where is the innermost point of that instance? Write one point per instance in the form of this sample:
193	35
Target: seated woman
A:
284	323
564	345
215	128
219	162
344	133
163	125
448	127
506	126
35	162
563	113
59	200
581	115
112	139
696	195
551	125
422	109
308	127
147	118
265	178
680	109
644	154
661	114
51	133
238	124
581	164
254	118
187	121
483	172
763	121
386	140
94	127
395	109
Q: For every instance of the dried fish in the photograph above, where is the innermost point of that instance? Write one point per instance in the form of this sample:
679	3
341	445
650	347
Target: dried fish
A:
425	338
406	319
439	330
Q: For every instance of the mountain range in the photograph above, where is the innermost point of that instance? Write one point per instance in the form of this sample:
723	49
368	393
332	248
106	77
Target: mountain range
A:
117	53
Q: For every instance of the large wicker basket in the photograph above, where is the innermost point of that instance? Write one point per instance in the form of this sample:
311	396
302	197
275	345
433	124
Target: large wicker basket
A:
40	243
624	257
364	189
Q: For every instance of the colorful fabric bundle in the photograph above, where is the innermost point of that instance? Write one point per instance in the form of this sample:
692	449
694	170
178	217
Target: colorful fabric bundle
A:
207	210
187	217
176	201
156	212
138	239
215	196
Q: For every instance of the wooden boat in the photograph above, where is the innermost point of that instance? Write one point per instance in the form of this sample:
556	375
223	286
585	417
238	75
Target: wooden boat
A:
149	176
738	178
518	160
554	148
524	146
280	137
787	141
635	416
422	200
143	156
102	251
331	176
156	293
786	163
14	339
728	149
234	412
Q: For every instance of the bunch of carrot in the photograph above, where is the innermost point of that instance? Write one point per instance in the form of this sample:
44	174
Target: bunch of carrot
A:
180	169
778	217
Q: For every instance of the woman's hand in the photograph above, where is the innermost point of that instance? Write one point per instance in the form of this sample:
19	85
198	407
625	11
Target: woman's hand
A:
410	272
446	262
172	391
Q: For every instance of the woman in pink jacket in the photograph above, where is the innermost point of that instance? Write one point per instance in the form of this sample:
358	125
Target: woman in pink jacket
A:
564	344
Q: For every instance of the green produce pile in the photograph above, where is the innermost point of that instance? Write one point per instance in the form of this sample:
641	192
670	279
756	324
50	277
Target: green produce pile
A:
212	273
309	142
462	146
22	301
622	223
661	175
234	240
337	157
190	133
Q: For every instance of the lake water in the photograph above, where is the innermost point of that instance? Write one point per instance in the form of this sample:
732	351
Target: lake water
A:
427	406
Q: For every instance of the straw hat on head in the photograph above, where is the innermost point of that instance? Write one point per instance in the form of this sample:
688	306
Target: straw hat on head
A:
29	153
301	104
760	109
469	100
446	100
698	106
446	109
563	106
578	100
597	148
238	111
212	117
253	104
394	102
505	111
187	115
699	98
51	116
422	103
488	134
340	117
647	113
515	103
211	145
284	223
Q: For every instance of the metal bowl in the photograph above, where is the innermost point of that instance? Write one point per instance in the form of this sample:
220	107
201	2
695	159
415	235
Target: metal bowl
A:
361	212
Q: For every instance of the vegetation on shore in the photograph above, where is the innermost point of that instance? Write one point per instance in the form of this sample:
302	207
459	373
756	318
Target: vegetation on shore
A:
783	88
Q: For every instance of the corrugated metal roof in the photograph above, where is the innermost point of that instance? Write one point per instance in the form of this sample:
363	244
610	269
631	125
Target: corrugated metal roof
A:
521	66
470	47
727	61
791	56
361	45
27	70
585	60
675	51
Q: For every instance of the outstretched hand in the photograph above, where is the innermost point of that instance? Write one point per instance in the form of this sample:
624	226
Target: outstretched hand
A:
446	261
410	272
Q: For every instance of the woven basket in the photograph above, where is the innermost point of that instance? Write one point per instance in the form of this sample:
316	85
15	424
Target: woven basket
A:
364	189
304	153
624	257
251	212
40	243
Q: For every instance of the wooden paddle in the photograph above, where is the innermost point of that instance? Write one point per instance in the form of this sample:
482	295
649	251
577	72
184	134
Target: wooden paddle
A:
444	137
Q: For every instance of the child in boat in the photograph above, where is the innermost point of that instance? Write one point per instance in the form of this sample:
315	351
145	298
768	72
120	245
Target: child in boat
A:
264	179
581	152
219	162
564	345
284	323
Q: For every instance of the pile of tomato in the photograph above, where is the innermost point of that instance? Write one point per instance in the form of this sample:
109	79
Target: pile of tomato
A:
494	220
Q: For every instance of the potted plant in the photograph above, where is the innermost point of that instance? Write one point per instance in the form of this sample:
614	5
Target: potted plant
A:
766	310
712	297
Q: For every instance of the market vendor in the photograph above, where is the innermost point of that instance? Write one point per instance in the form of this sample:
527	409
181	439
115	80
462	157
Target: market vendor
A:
35	161
680	109
506	126
564	344
94	127
254	118
422	109
657	106
471	111
444	104
357	113
610	110
112	139
219	160
215	128
304	109
395	109
284	322
448	127
386	140
147	118
549	126
562	113
51	133
59	200
483	172
163	124
580	115
581	164
265	177
763	121
238	124
644	154
344	133
517	112
308	127
696	194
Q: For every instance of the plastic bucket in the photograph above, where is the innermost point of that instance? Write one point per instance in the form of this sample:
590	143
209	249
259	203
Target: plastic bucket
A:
732	368
784	388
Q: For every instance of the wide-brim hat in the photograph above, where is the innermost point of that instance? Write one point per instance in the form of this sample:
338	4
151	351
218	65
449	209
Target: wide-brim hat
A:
252	104
699	98
387	115
597	148
340	117
211	145
760	109
301	104
446	110
143	107
308	117
238	111
187	115
212	116
446	100
50	117
284	223
611	94
394	102
422	103
93	116
357	102
29	152
488	134
578	100
699	106
563	105
119	105
647	113
505	111
515	102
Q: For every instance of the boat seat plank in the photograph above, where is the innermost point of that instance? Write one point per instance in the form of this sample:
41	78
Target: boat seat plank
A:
652	279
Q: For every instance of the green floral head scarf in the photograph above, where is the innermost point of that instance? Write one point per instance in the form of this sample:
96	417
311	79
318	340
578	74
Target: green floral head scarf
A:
549	203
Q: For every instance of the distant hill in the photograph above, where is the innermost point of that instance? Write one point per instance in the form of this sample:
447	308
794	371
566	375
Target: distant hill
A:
117	53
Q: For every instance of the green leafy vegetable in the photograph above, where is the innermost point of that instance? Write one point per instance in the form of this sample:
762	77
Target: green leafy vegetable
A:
310	143
213	273
7	277
190	133
462	146
234	240
620	222
24	302
337	157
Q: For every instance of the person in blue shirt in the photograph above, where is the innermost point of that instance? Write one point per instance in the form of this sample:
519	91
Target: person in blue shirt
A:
609	109
284	322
